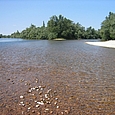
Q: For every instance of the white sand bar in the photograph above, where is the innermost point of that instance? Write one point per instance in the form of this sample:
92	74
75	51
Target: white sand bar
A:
110	43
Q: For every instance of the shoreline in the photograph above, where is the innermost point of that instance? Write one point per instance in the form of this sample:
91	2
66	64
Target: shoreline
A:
59	39
109	44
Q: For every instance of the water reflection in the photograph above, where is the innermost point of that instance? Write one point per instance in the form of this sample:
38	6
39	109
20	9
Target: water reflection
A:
10	39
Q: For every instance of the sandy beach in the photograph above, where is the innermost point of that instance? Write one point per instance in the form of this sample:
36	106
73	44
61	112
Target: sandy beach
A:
110	43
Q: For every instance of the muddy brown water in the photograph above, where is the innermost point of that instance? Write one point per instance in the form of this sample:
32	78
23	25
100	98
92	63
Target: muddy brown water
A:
78	78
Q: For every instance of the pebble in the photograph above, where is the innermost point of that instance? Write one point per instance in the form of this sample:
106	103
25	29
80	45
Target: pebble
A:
21	97
22	112
56	98
62	113
40	103
36	81
32	94
21	80
36	87
57	107
48	90
55	92
33	111
40	93
55	103
43	86
51	112
46	95
21	102
29	108
37	105
47	109
40	97
25	83
30	91
35	101
38	113
33	88
27	103
41	89
66	111
48	102
40	86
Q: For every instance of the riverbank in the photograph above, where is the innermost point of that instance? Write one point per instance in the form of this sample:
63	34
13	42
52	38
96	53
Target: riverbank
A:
59	39
110	43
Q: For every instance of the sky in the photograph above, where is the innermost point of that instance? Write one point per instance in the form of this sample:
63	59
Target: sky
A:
20	14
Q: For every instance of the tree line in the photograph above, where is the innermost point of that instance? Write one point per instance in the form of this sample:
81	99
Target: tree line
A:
107	30
4	36
57	27
61	27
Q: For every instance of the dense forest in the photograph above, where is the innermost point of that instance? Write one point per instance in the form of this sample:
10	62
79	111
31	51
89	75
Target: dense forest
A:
61	27
107	30
57	27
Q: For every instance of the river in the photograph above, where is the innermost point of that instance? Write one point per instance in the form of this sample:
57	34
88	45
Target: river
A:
81	77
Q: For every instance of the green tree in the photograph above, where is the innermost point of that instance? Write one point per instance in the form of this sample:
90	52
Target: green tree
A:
79	31
91	33
52	36
15	34
43	24
61	26
107	30
0	35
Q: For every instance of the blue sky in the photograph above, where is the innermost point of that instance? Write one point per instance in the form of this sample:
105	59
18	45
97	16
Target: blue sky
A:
20	14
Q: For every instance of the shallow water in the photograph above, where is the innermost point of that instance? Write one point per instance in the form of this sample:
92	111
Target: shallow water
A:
82	75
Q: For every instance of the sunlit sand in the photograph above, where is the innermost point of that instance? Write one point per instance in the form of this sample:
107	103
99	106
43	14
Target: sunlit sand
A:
110	44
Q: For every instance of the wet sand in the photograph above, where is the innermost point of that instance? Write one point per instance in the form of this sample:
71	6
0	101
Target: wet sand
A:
56	78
